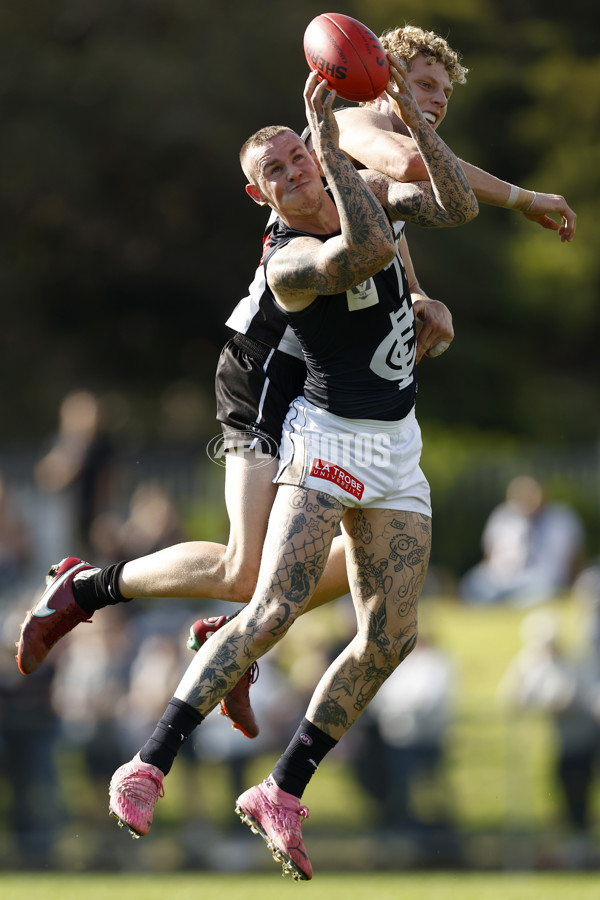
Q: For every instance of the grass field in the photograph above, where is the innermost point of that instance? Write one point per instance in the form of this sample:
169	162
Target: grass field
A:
328	886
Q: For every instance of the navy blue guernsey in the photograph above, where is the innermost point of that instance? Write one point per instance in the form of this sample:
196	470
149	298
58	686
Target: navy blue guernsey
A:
360	345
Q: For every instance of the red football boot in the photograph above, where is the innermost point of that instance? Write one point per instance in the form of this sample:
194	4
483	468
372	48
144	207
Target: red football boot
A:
53	616
236	704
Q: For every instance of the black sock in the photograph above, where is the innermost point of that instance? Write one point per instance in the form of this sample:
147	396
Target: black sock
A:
99	588
298	764
173	729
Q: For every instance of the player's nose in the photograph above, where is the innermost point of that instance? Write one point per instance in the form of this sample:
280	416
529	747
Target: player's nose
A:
441	99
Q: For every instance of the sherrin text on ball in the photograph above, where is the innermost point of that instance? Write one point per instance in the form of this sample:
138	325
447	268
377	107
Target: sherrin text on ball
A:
347	55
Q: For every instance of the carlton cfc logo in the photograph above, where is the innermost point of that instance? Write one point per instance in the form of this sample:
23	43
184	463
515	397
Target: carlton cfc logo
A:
306	739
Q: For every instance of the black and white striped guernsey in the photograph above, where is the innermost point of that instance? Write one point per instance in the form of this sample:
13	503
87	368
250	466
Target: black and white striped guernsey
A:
259	317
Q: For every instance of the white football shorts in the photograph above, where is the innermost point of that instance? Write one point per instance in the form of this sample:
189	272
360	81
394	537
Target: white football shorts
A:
361	462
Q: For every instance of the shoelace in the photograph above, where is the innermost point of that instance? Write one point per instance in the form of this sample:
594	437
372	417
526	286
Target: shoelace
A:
133	788
288	817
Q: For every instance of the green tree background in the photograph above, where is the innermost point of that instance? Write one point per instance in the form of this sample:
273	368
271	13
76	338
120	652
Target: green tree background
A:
126	237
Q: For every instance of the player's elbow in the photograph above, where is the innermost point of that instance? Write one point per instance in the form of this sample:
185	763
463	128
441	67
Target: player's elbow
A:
460	214
471	208
386	253
410	168
373	256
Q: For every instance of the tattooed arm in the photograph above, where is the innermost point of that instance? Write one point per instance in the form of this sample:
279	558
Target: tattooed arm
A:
368	137
447	199
307	267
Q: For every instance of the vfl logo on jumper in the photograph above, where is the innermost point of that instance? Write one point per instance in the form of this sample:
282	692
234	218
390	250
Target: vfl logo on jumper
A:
362	296
306	739
330	472
394	359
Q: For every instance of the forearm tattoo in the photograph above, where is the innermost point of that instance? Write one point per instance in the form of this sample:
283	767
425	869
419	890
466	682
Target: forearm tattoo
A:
448	176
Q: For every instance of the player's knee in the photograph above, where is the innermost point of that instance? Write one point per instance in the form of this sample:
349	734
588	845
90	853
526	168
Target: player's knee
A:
269	624
244	586
390	649
405	644
240	579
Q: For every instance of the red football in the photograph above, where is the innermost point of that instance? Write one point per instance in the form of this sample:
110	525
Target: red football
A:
347	55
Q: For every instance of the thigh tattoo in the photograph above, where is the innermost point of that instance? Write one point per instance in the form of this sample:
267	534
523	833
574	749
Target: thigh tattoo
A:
303	541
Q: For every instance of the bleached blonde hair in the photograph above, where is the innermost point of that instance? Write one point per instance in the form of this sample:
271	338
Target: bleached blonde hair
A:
408	42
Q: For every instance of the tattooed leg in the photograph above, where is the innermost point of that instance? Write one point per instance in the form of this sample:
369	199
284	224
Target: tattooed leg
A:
301	529
388	554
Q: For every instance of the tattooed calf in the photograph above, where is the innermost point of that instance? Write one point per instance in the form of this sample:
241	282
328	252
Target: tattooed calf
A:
346	679
373	678
217	675
330	713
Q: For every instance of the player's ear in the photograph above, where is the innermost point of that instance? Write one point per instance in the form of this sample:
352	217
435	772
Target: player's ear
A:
255	194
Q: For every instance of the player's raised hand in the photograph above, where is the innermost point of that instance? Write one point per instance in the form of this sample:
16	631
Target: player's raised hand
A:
318	103
545	206
402	92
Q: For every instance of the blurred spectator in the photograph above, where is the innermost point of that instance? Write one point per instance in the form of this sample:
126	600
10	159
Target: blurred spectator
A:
28	733
532	549
544	677
153	523
78	469
586	591
15	547
91	677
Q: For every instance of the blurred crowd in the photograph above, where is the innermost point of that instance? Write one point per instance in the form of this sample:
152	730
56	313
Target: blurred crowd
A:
533	549
97	697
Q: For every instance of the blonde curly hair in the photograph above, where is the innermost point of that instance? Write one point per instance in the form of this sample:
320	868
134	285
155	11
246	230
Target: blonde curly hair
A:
410	41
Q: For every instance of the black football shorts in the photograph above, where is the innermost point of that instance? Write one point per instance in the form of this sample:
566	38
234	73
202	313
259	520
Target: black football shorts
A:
254	386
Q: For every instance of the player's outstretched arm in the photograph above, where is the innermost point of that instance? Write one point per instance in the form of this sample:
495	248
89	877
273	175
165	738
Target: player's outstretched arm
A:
536	206
367	137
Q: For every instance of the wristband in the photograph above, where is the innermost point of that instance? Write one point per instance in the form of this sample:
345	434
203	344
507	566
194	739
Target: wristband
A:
512	197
